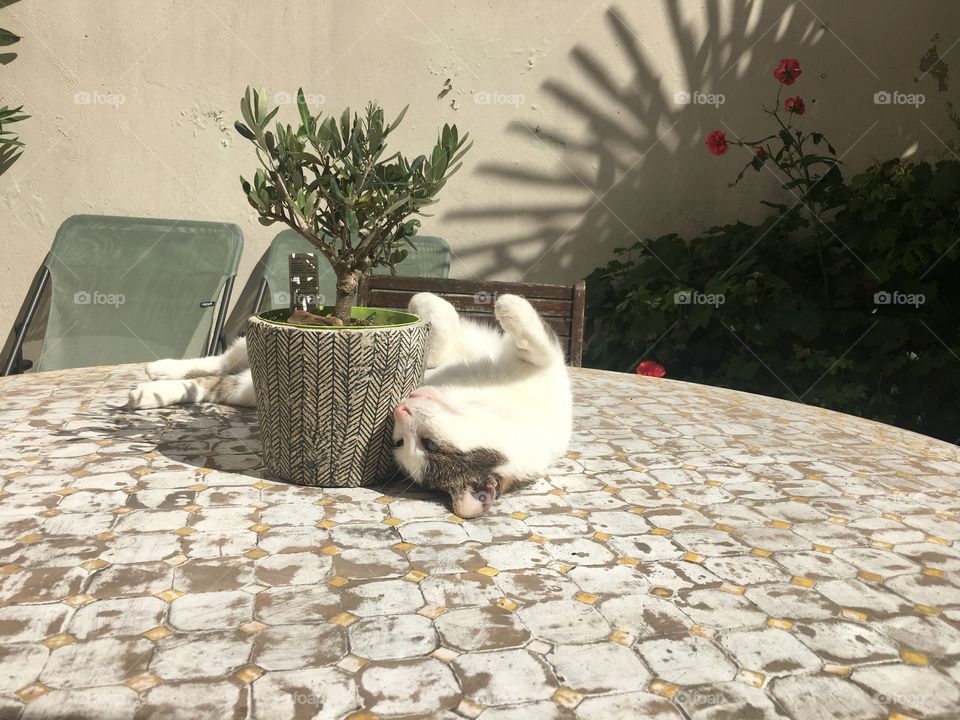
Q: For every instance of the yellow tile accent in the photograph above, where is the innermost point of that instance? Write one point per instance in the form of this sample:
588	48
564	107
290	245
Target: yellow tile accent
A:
854	614
454	518
578	513
558	492
660	531
601	536
29	538
143	682
184	531
912	657
881	545
566	697
193	507
779	623
385	499
733	589
169	595
121	510
802	581
248	674
403	546
800	498
323	502
108	535
892	516
259	527
900	716
50	513
540	539
638	510
415	576
393	522
32	691
470	708
824	549
330	550
176	560
760	552
833	669
933	572
488	571
65	491
10	569
937	540
505	603
723	528
870	576
752	678
662	592
564	568
344	619
621	637
257	553
59	640
252	628
782	524
326	524
663	688
352	663
261	485
694	557
624	560
431	611
79	600
703	631
158	633
664	487
926	609
586	598
612	489
200	487
838	520
519	515
338	581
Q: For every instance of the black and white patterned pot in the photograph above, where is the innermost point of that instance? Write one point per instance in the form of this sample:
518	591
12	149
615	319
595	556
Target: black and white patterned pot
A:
325	397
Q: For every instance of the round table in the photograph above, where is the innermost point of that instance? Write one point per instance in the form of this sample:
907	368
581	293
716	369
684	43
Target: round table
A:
699	553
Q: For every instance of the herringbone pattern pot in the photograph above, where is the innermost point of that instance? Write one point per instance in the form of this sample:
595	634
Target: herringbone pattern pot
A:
326	397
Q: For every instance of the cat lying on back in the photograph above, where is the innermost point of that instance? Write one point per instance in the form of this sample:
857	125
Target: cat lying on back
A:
494	410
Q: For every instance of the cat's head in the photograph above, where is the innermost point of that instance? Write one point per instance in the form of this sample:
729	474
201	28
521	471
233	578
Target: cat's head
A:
447	446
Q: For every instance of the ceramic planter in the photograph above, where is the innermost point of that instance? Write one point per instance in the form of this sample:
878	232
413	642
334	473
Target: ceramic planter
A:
325	396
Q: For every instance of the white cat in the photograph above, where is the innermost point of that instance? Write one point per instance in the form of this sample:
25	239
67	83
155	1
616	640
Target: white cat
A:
495	407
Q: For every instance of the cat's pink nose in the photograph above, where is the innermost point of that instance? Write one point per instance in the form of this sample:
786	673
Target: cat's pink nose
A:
401	413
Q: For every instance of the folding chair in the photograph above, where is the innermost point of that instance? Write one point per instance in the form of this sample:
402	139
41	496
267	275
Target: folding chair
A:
131	290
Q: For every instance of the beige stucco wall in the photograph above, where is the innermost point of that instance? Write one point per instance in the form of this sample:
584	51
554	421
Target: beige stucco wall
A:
579	144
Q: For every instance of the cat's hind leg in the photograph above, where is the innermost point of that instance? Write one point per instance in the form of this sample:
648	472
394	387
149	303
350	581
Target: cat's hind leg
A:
232	361
225	389
444	325
534	341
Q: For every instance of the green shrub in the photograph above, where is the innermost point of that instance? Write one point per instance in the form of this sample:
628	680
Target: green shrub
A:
803	315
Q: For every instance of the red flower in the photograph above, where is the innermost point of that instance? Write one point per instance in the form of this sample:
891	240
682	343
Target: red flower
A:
651	369
717	142
787	71
761	153
795	105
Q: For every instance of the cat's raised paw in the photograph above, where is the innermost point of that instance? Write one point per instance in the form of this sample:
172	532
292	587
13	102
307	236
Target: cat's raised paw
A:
154	395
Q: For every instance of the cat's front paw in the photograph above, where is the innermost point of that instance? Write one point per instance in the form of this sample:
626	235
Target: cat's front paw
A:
163	370
154	395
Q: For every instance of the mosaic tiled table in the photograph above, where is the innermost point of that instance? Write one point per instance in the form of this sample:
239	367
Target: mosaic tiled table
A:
700	553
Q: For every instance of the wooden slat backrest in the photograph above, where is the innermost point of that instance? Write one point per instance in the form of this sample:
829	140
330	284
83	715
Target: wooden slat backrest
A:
561	306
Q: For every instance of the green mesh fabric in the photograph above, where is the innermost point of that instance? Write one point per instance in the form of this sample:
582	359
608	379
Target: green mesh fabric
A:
429	258
134	289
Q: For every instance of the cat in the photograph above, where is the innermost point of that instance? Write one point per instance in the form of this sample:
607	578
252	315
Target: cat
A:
494	411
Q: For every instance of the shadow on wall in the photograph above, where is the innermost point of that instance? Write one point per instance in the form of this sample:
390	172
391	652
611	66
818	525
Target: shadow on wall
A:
622	158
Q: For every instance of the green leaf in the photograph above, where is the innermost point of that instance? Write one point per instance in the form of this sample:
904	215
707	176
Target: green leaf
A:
244	130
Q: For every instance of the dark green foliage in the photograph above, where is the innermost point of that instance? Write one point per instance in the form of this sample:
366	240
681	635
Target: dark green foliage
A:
801	318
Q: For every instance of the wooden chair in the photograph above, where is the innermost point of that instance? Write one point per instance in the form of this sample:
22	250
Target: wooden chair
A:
560	305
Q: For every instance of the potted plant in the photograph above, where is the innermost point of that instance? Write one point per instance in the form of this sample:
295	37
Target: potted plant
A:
327	381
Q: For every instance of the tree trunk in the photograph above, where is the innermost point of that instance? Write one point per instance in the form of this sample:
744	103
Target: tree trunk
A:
346	288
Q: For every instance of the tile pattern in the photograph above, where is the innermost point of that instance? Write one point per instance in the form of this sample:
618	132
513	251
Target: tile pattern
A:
699	553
